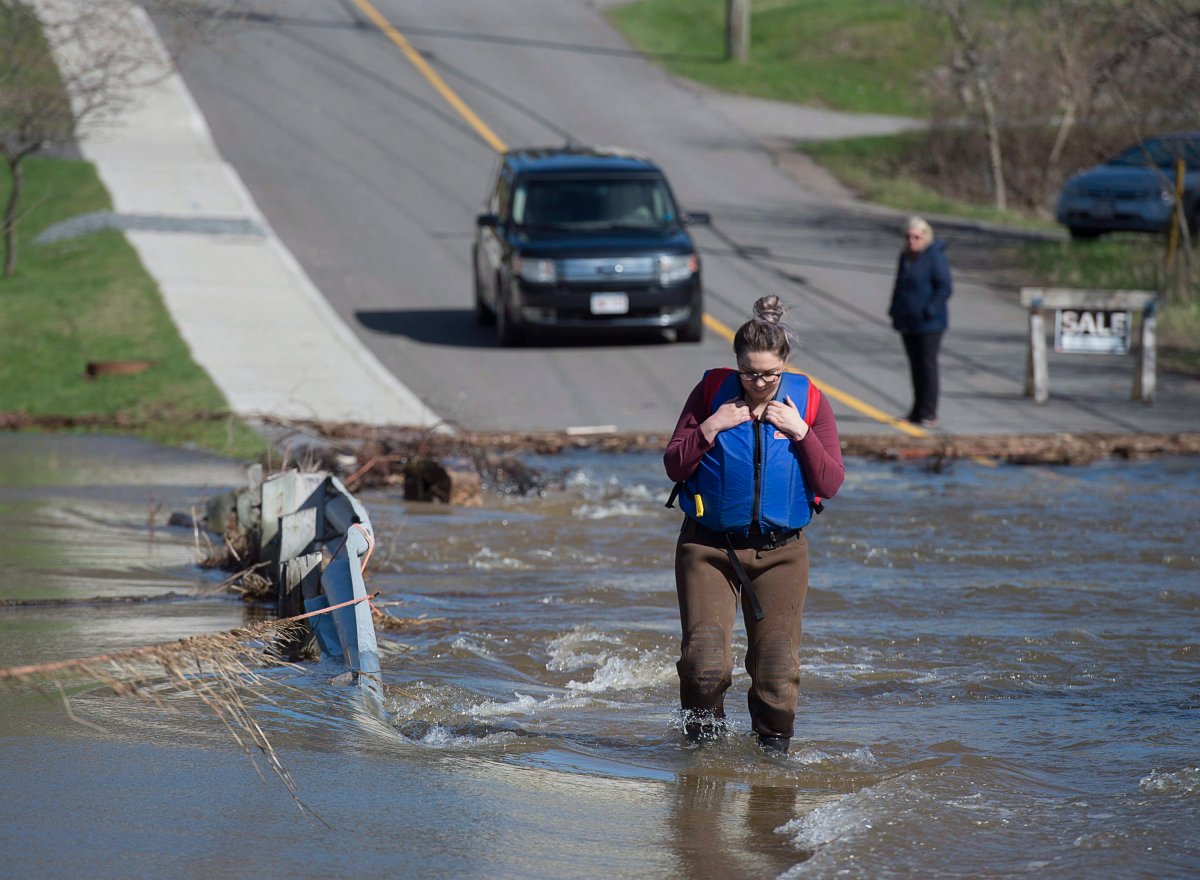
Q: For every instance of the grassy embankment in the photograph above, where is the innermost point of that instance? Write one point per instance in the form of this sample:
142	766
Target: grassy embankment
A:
862	55
868	56
89	299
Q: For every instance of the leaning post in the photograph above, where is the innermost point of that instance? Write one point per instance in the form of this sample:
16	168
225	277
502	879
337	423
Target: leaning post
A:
1036	374
1176	216
1147	361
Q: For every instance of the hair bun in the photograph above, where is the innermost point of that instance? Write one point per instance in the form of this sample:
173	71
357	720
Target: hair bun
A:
769	309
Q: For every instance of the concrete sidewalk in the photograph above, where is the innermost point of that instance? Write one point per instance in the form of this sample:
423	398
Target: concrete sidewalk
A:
249	313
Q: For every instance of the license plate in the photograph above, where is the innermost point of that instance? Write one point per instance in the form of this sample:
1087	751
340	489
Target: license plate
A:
1102	210
610	303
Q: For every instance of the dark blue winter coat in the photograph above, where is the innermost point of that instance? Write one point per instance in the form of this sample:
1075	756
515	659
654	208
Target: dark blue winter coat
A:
922	287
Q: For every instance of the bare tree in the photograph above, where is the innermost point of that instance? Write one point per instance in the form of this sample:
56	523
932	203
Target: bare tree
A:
975	66
35	112
1036	90
70	65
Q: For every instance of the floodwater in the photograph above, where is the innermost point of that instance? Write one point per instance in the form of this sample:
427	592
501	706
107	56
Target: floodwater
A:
999	680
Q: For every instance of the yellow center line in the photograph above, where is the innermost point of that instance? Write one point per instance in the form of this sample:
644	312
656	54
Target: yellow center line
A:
432	75
836	393
499	146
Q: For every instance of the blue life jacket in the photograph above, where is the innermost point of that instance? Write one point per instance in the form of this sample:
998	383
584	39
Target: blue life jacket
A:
753	472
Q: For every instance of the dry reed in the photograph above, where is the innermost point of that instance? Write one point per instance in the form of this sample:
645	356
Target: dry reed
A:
221	669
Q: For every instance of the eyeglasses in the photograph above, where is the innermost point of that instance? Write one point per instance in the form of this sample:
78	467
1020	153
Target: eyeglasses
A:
770	377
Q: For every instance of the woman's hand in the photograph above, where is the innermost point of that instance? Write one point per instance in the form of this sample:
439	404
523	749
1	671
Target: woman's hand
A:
727	415
786	418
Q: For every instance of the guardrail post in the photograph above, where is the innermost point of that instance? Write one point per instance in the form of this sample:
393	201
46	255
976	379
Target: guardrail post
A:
1037	379
1147	360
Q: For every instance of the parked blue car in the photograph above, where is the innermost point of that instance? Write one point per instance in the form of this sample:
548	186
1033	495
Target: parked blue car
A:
1135	190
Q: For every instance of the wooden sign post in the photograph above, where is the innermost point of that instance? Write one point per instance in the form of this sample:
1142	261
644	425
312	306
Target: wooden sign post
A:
1090	322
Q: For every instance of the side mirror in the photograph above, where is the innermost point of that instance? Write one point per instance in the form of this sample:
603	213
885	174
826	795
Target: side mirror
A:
697	218
490	220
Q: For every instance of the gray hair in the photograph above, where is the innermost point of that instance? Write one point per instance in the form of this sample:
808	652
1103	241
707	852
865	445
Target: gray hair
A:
921	225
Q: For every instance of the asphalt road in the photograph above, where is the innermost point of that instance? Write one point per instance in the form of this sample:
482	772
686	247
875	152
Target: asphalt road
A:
373	180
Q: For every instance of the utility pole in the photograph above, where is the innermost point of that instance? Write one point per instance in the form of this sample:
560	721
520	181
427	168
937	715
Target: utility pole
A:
737	30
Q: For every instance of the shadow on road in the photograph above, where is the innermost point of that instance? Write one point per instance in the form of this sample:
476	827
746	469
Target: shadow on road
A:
457	328
454	327
979	254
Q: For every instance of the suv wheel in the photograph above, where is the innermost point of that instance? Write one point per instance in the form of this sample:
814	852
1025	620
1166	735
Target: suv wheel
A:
508	332
1078	233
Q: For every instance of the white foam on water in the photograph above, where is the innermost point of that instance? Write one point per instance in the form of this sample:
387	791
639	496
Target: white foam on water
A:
617	665
1185	781
525	704
858	759
579	479
861	665
613	488
609	510
568	600
441	738
471	645
486	559
1105	838
844	821
640	492
583	479
861	830
628	673
577	649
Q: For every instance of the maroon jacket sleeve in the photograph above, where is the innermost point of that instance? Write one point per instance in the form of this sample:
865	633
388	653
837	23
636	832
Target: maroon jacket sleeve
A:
820	450
687	445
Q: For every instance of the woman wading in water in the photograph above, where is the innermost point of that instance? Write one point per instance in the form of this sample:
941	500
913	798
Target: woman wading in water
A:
753	452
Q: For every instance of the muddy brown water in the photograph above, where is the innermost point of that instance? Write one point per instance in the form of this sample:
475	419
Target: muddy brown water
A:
999	679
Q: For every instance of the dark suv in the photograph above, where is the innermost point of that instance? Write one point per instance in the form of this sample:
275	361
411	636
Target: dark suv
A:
585	237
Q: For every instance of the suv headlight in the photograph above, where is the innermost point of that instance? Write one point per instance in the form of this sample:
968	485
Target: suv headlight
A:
536	271
677	267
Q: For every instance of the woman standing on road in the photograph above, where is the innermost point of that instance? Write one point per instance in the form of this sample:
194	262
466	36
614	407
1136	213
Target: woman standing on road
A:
753	452
919	313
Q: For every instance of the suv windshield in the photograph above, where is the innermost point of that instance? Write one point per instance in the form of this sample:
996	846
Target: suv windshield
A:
601	202
1162	153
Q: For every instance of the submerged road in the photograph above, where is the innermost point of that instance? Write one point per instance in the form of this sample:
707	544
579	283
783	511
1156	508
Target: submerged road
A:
367	131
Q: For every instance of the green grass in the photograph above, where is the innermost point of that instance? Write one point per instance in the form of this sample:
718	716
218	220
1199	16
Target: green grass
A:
90	299
863	55
885	169
1126	262
1179	336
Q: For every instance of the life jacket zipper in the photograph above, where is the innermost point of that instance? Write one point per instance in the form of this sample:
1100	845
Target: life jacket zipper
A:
758	453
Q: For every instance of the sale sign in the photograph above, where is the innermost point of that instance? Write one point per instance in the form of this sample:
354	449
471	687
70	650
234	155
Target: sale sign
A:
1092	331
